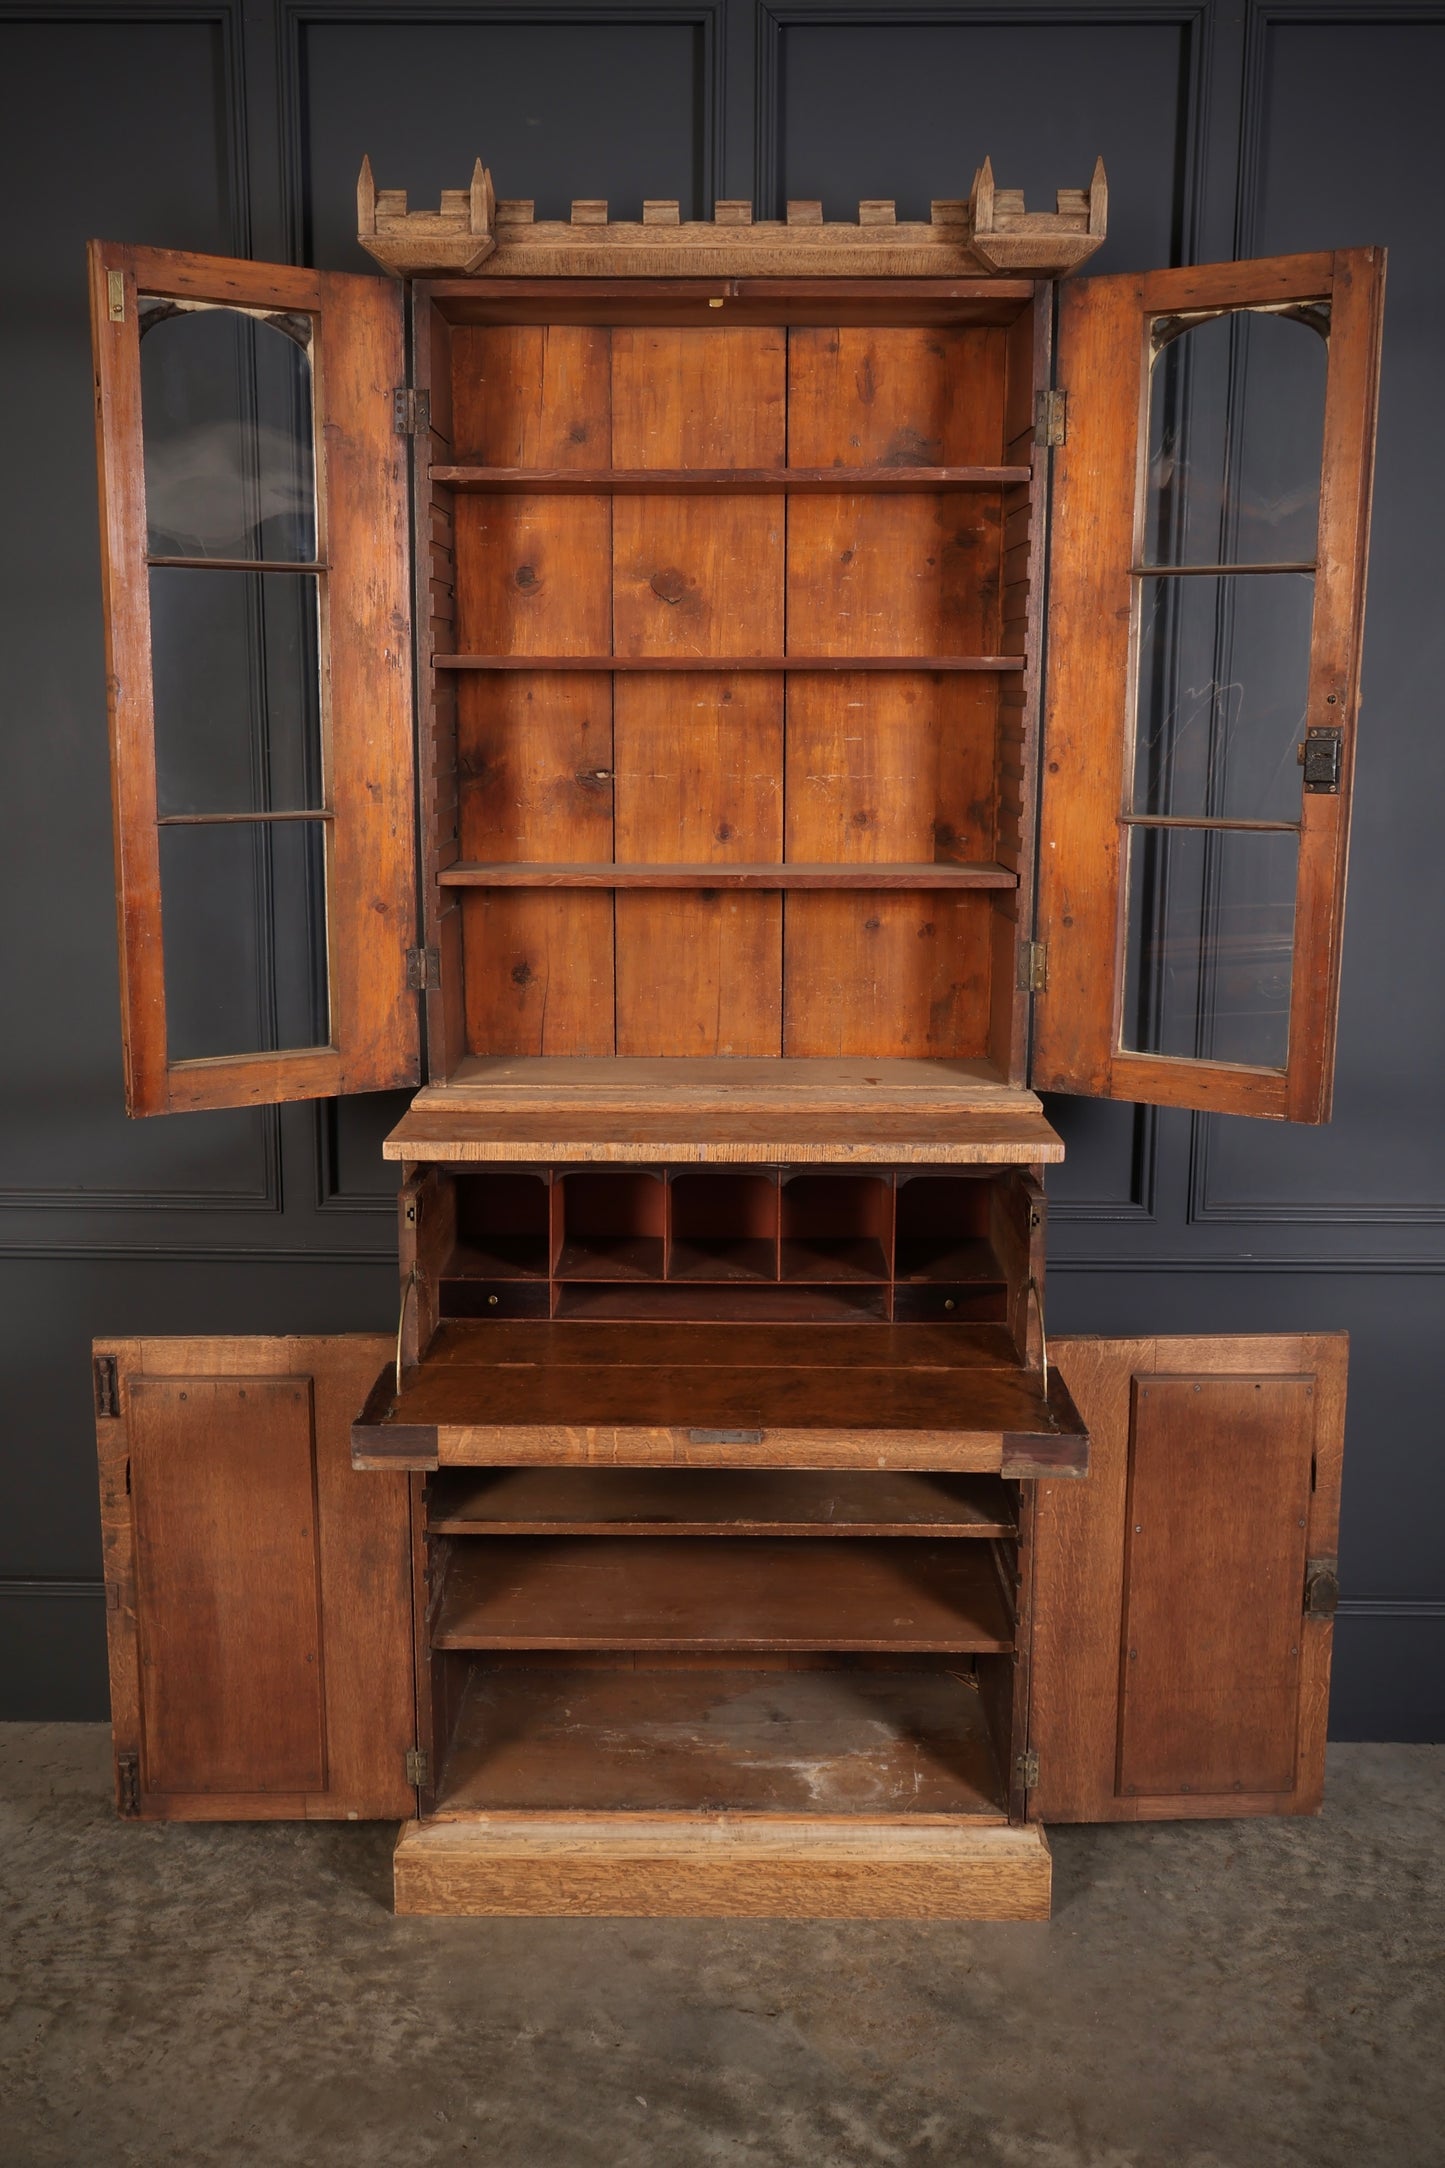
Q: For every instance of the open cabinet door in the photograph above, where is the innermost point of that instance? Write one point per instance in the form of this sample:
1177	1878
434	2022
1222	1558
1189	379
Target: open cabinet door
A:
1183	1597
258	657
1211	521
258	1590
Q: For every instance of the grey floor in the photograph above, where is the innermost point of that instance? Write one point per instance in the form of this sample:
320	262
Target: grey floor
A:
1235	1995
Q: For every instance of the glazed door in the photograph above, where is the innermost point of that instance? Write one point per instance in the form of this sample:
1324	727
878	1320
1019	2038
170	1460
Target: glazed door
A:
258	1590
1183	1596
1211	521
258	656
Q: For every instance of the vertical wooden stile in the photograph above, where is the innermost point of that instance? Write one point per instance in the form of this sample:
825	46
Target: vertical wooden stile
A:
699	758
535	749
883	766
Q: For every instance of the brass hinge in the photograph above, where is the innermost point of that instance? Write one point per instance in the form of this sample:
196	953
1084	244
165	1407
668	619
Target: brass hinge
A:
1322	1587
115	296
1026	1769
1051	418
410	411
127	1770
104	1372
1034	967
423	970
418	1766
1322	757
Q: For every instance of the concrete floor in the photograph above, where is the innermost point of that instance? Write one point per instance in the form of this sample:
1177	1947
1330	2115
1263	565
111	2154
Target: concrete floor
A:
1227	1995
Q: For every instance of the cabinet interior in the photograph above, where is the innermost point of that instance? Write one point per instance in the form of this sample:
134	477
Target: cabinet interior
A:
730	672
782	1244
764	1641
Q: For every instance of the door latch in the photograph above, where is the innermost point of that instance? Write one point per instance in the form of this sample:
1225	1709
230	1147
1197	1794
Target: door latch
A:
1322	757
1322	1587
104	1371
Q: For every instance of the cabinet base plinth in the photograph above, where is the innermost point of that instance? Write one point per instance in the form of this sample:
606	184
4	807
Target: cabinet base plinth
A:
718	1866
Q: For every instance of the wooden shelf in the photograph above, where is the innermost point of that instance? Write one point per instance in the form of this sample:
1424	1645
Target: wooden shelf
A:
921	1259
823	1742
722	1302
716	1502
618	1257
860	876
748	1258
860	1393
682	1593
721	481
730	664
724	1111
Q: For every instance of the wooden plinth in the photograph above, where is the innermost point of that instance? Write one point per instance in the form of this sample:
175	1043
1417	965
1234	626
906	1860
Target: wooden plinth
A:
650	1866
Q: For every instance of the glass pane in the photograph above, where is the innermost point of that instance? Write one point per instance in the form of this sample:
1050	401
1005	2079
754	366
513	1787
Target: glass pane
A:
227	429
1224	668
1210	936
236	669
243	909
1236	437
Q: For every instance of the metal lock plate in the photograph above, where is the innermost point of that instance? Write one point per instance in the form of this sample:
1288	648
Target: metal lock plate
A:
1321	757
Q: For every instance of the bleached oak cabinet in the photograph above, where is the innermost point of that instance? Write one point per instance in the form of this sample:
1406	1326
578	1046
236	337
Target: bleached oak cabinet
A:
752	701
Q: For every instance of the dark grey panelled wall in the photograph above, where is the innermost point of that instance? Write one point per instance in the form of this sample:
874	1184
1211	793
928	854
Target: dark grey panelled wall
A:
238	127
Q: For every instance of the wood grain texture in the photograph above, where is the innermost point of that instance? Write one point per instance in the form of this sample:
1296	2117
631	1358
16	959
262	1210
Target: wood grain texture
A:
775	1502
699	759
925	875
658	1593
535	751
794	1736
365	674
577	1393
223	1481
1214	1569
728	1112
692	1866
897	766
202	1495
1082	1531
722	480
434	583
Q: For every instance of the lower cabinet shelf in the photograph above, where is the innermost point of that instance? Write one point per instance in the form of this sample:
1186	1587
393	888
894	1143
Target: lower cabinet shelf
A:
678	1593
825	1740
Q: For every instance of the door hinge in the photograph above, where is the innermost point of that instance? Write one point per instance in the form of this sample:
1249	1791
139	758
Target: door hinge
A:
107	1384
424	970
1034	967
1051	418
1322	757
418	1767
127	1770
115	296
410	411
1026	1770
1322	1587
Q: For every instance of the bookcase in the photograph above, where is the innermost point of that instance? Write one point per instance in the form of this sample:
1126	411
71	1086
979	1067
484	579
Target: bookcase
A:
751	702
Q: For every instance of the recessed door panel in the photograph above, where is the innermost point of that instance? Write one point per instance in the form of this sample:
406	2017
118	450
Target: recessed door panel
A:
223	1474
1214	1570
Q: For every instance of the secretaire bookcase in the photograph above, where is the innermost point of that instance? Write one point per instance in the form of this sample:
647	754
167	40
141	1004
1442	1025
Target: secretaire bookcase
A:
729	710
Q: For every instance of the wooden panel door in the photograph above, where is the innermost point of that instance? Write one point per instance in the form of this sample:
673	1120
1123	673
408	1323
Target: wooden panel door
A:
1184	1595
1211	524
258	659
258	1589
